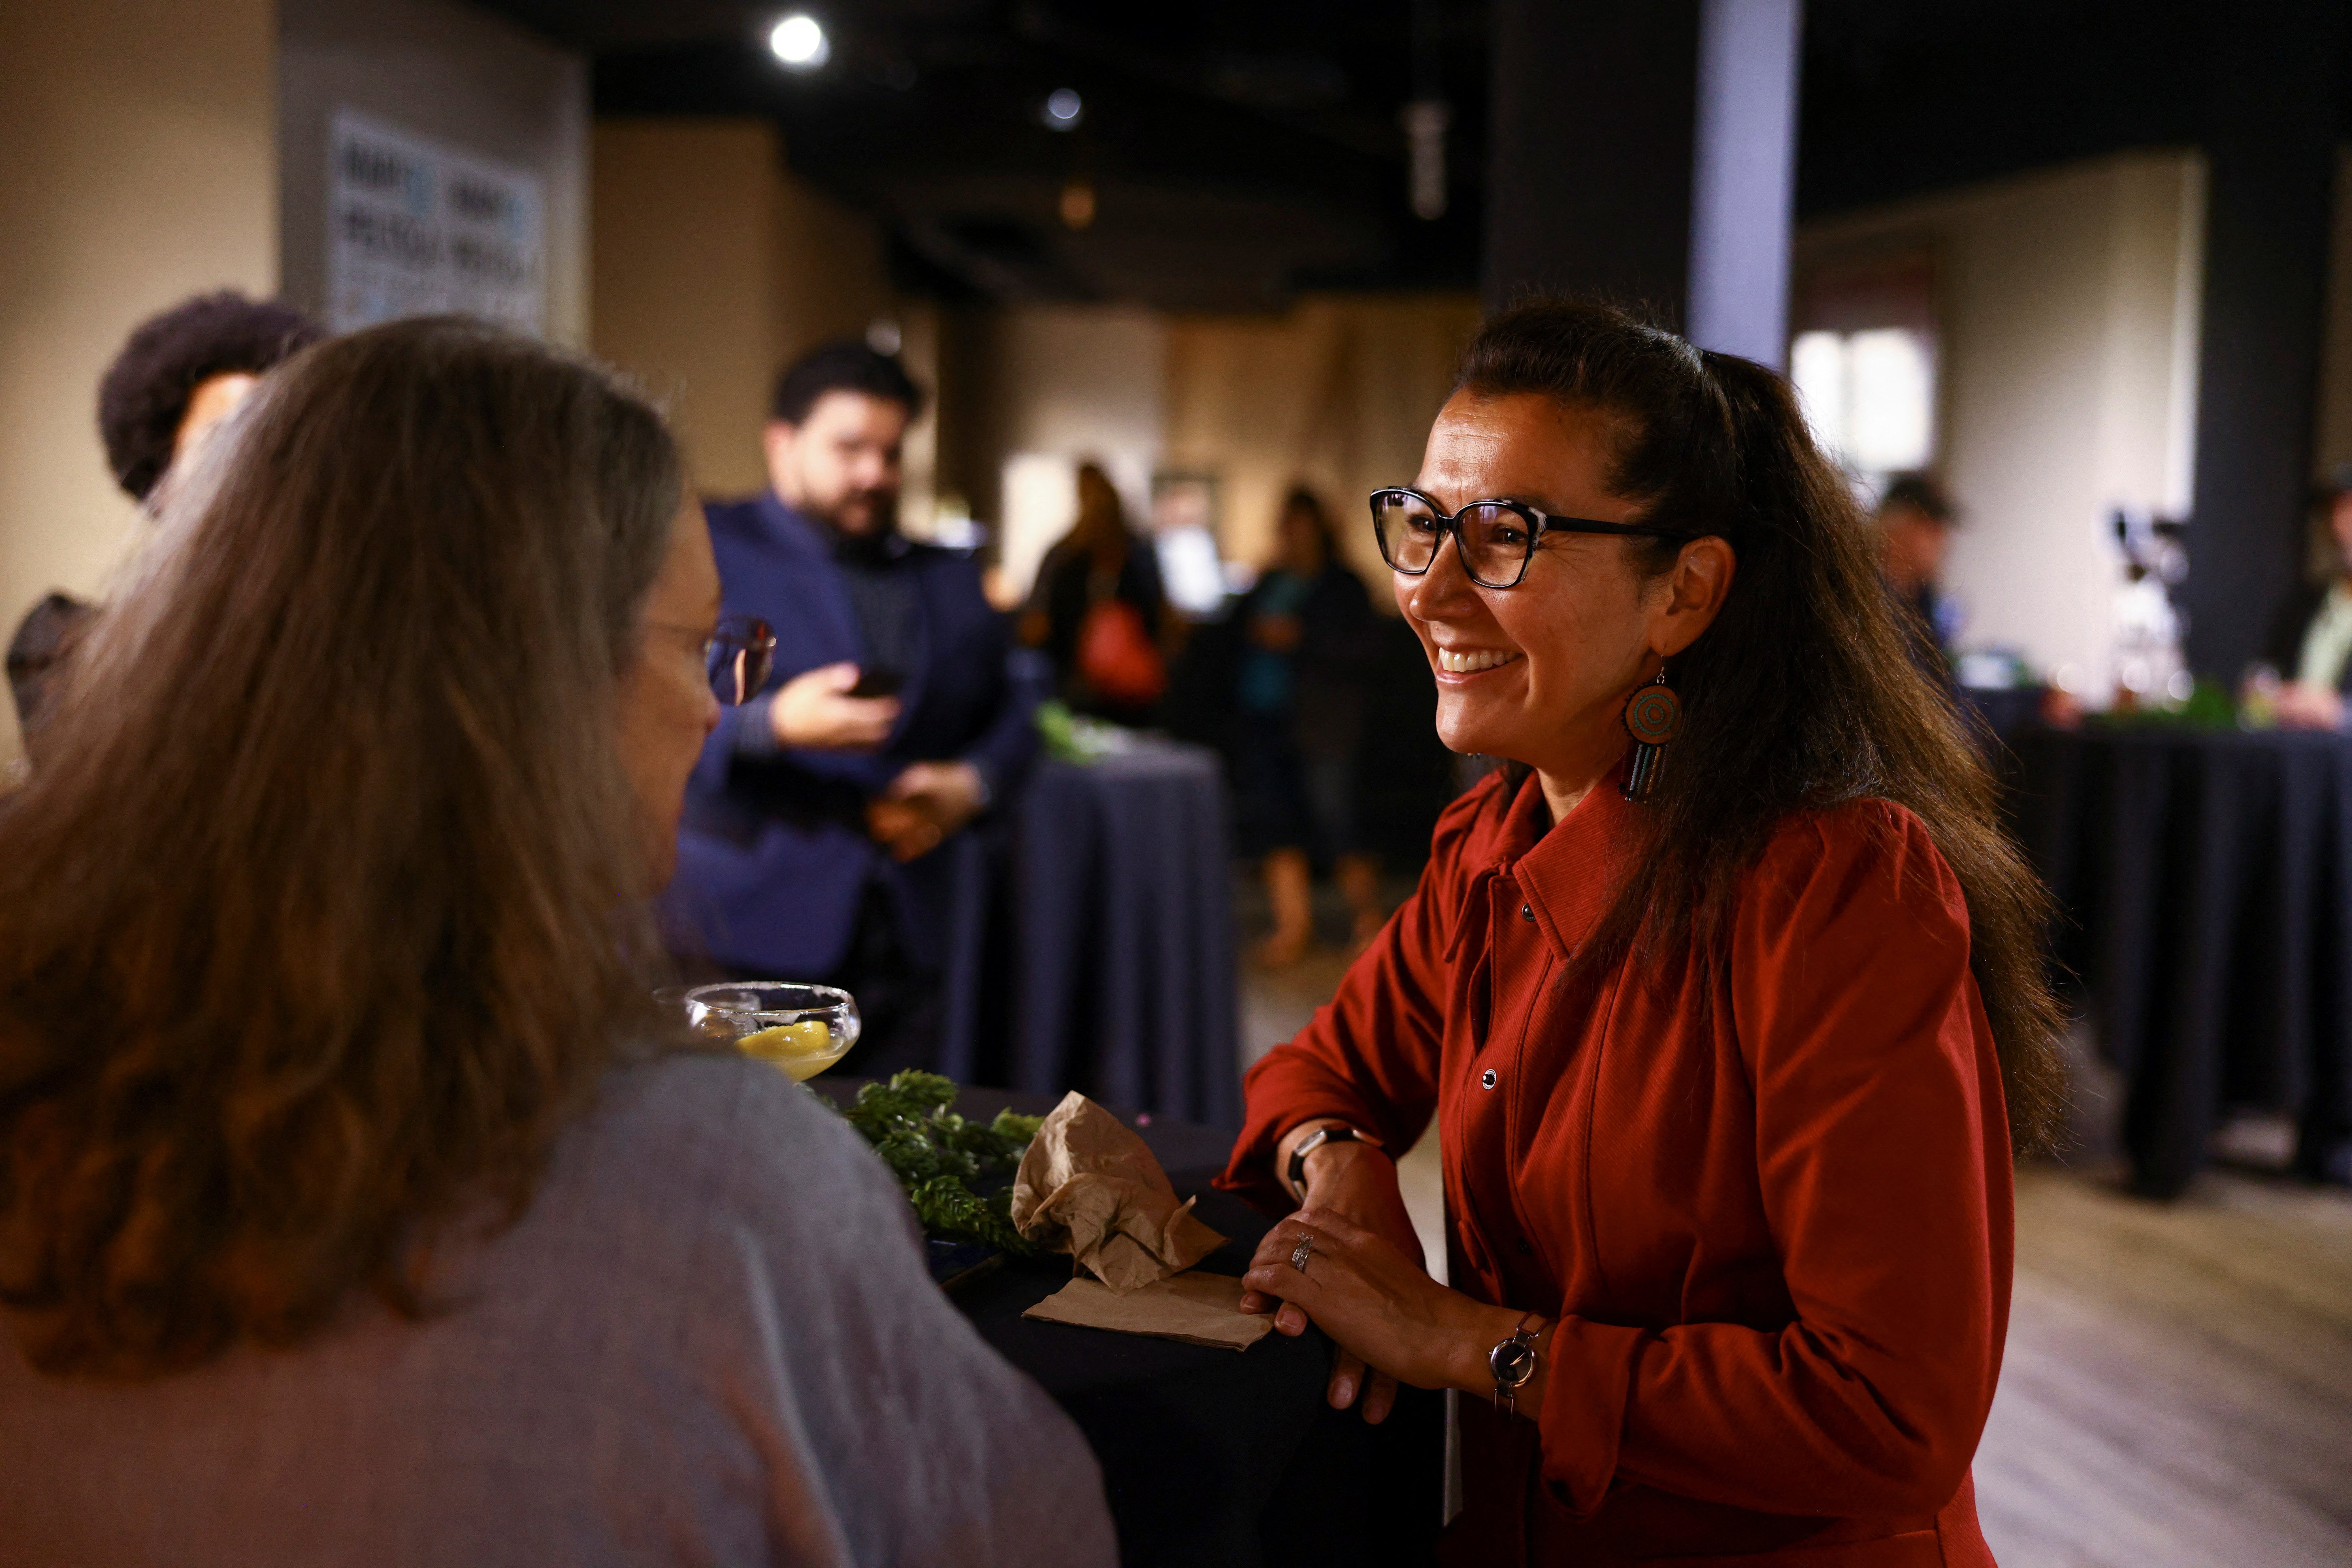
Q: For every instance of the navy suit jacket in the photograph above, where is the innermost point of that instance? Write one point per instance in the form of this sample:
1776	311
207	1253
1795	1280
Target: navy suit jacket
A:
773	856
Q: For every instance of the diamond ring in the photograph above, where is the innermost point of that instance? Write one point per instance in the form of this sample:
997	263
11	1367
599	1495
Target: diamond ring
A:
1302	1252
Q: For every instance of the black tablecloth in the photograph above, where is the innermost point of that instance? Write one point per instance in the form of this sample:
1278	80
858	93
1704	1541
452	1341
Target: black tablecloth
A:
1217	1458
2001	713
1123	936
2207	877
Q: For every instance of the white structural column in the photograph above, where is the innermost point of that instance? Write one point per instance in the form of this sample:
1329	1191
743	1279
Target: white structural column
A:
1743	176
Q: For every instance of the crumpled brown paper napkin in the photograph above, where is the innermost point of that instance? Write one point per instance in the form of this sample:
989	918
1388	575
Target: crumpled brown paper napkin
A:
1197	1309
1089	1186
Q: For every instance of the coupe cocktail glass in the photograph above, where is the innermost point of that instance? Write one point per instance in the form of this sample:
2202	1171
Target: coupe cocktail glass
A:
800	1028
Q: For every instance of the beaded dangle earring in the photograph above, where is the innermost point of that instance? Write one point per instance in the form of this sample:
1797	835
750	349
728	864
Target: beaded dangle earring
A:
1654	717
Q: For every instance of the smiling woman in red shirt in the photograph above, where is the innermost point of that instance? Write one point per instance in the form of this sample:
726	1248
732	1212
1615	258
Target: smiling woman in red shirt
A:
1726	994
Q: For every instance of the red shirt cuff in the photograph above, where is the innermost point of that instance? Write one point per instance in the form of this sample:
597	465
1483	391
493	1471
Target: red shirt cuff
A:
1586	1388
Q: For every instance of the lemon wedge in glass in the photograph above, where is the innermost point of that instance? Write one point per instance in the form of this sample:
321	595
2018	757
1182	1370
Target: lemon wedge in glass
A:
804	1050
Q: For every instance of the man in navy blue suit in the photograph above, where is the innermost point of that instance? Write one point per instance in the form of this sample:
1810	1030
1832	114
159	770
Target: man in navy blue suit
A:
825	826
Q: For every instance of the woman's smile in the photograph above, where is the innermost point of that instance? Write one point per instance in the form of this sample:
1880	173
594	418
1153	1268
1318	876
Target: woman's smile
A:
1461	664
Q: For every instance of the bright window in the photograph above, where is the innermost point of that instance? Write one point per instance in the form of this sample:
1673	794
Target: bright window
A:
1870	396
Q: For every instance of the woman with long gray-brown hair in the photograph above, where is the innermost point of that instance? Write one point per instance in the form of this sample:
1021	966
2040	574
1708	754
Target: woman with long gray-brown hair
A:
355	1204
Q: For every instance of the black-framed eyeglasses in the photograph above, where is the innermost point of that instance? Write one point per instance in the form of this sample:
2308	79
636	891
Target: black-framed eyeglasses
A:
739	657
1495	539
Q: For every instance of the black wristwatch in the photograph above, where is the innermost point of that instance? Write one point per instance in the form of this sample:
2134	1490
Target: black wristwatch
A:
1315	1140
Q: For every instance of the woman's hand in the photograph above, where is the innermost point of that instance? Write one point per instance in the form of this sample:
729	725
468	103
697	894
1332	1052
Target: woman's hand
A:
1359	1183
2302	707
1377	1302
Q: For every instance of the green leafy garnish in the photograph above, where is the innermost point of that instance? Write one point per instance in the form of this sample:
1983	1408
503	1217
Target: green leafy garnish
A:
936	1154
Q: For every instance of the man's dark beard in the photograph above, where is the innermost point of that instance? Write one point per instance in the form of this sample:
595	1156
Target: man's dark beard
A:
877	543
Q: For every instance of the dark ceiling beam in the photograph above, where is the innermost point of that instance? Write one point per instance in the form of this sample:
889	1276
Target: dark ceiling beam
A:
1589	139
1903	97
1258	199
1359	135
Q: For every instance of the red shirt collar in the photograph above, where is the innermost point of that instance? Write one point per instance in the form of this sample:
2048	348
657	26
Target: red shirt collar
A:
1568	873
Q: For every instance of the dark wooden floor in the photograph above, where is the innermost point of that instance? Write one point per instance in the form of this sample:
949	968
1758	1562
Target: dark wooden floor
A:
2178	1387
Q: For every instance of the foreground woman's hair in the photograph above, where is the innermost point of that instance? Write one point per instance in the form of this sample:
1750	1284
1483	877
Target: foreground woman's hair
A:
1803	693
309	919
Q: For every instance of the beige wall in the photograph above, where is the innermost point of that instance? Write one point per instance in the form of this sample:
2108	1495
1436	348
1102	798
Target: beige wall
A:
831	277
446	71
680	244
1052	385
712	266
138	166
2068	321
1336	394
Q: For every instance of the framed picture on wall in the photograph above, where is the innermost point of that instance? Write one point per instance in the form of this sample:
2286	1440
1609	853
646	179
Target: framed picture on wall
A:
417	228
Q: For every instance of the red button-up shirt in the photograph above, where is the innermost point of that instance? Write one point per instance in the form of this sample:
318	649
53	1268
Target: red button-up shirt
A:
1770	1206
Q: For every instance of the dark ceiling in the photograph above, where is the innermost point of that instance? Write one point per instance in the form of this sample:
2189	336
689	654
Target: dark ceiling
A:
1237	152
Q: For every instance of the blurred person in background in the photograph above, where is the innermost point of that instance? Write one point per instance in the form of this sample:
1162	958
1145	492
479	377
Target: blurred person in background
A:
1299	691
181	373
1726	995
815	826
1098	610
359	1205
1915	518
2310	643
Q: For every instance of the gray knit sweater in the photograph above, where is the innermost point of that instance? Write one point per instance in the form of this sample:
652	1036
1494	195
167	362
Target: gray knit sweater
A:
711	1340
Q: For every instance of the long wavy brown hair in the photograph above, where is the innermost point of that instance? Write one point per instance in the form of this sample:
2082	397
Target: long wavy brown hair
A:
1805	693
315	920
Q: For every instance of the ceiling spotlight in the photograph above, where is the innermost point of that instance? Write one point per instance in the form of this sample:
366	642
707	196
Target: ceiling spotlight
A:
1064	109
800	42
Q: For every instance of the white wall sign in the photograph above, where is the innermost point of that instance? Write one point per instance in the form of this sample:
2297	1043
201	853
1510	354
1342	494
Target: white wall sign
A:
416	228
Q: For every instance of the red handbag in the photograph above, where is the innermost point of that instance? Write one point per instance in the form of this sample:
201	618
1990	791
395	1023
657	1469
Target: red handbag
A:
1118	657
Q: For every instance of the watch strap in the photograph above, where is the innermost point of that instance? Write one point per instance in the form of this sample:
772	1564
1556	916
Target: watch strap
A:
1338	1132
1513	1362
